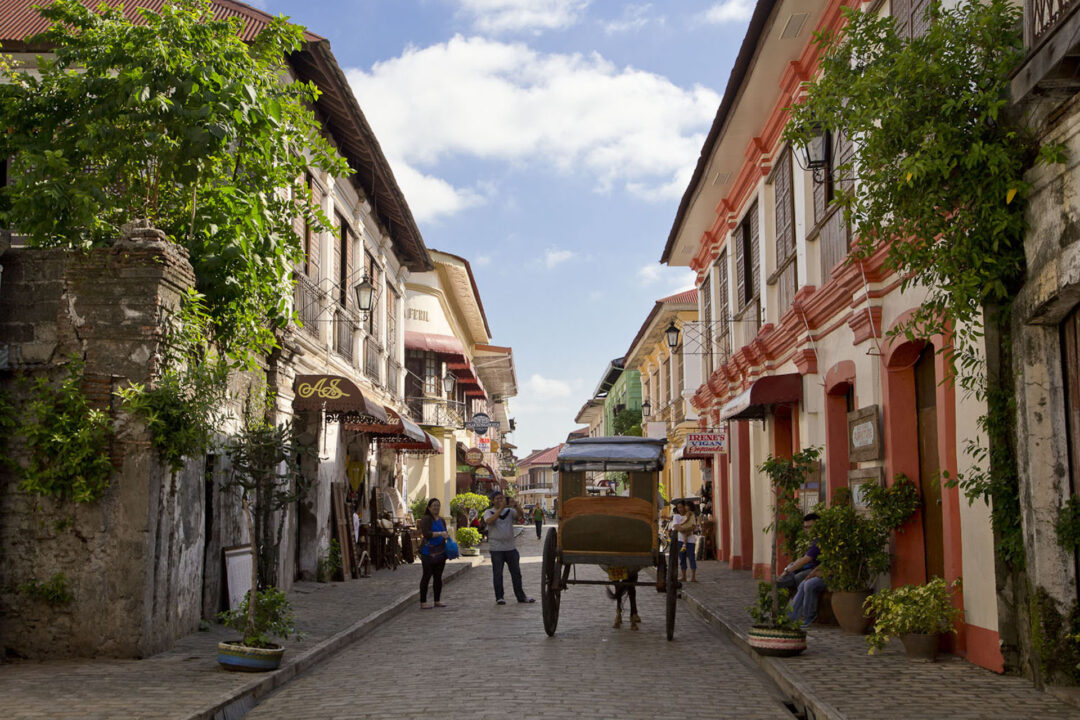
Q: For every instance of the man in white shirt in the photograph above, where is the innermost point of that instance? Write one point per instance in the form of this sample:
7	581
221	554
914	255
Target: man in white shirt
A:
500	519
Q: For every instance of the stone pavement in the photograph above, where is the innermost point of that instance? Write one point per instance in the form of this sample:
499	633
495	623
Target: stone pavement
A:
475	660
836	679
186	681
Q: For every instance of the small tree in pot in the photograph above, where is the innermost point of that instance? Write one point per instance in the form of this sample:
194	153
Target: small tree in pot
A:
468	538
917	614
266	469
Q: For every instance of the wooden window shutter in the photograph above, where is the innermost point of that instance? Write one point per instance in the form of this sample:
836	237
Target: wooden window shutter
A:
754	254
920	19
723	314
740	267
785	209
339	260
706	324
350	265
310	236
901	10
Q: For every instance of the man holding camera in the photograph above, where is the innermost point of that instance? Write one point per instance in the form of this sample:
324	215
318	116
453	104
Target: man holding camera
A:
500	519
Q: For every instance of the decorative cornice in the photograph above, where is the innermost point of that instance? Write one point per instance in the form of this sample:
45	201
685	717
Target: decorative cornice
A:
806	361
865	323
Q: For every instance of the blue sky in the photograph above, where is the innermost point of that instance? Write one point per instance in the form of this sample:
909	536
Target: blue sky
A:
549	142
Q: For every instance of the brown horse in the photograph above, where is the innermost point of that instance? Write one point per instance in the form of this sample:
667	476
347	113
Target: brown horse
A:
624	588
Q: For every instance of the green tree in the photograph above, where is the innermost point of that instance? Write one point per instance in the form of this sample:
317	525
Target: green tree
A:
627	422
178	121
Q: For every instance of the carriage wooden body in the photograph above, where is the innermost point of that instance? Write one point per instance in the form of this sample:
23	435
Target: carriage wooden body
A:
620	533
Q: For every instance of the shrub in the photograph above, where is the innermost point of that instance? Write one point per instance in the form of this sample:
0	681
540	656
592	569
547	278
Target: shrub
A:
911	609
468	537
273	617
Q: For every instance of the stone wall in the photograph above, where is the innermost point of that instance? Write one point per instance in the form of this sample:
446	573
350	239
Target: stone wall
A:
133	559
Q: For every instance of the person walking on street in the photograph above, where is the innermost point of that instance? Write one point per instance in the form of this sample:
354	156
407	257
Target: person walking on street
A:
538	518
433	552
687	548
500	518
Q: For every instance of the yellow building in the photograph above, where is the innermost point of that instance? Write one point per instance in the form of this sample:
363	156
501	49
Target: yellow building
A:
667	384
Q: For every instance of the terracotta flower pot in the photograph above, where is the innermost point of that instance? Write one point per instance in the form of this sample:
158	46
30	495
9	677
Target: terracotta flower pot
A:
848	608
921	647
776	642
240	658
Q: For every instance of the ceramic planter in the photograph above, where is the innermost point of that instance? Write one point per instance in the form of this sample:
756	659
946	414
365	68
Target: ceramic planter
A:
848	609
241	658
469	551
921	647
776	642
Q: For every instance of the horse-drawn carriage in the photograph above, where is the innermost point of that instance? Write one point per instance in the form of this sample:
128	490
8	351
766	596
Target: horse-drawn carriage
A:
618	533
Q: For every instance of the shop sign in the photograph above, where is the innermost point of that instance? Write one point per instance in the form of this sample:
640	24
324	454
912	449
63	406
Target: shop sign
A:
705	443
494	446
864	434
474	456
482	473
480	423
484	444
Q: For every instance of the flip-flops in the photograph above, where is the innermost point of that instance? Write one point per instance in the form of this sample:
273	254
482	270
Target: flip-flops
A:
439	604
425	606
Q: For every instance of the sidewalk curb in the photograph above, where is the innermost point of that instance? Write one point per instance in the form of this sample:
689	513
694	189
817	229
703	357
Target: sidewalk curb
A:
245	697
789	682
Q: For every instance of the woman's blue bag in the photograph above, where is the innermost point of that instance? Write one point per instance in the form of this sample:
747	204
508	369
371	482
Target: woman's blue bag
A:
452	551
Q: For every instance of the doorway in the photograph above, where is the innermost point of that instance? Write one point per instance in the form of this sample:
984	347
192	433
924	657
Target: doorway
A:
926	386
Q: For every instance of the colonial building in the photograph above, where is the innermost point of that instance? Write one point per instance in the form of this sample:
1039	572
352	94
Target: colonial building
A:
795	346
667	387
454	375
539	484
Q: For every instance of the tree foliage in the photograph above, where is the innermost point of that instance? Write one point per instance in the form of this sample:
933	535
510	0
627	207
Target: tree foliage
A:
627	422
176	120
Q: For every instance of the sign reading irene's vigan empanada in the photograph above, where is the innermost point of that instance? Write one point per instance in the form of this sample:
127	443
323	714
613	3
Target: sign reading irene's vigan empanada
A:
864	434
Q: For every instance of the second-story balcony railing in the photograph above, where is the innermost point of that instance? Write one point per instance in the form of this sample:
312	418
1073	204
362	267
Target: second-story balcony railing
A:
1041	16
438	412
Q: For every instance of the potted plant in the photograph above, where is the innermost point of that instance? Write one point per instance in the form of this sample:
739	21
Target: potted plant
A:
254	652
466	507
467	539
917	614
265	461
855	545
773	632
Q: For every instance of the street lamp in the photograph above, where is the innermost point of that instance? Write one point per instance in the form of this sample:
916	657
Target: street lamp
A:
672	335
816	153
365	294
448	382
646	408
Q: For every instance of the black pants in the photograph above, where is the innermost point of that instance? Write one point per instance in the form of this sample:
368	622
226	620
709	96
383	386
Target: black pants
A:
539	524
432	569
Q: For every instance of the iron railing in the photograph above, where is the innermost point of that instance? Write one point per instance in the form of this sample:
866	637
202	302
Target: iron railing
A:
344	328
437	411
1041	16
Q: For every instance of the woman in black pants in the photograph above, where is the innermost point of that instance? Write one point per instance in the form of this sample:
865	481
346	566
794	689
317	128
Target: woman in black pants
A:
433	552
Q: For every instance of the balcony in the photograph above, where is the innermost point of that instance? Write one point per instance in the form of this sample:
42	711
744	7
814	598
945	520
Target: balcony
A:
1051	30
434	411
344	328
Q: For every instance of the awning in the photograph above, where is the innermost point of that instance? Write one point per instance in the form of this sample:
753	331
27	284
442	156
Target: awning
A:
338	396
396	429
753	403
430	445
686	454
442	344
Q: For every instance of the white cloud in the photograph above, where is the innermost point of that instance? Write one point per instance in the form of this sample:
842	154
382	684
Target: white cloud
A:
542	387
553	257
675	279
480	98
634	18
482	260
496	16
729	11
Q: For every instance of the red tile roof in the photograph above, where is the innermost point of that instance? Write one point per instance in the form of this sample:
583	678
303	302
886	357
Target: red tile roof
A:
686	297
542	457
19	19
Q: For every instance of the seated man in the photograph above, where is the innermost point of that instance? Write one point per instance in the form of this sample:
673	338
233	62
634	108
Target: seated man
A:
800	569
805	574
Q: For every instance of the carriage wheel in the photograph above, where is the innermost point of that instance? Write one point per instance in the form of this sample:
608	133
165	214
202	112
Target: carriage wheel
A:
672	588
661	573
550	582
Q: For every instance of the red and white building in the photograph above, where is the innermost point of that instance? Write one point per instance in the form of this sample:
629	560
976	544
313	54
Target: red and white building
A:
796	339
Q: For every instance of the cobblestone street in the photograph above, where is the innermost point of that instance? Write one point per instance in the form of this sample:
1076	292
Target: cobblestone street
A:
477	660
